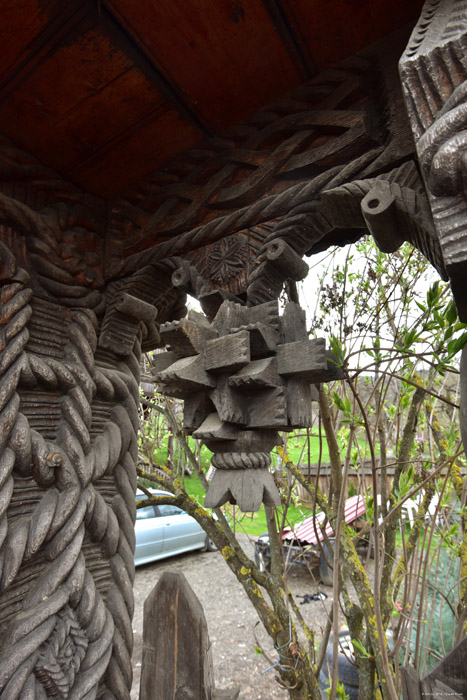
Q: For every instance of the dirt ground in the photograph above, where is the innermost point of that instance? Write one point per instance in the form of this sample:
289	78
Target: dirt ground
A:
231	619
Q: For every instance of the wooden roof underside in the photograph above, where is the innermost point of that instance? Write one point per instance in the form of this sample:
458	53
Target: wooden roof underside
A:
107	92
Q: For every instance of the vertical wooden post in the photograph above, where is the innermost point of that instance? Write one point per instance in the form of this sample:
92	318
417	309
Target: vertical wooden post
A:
177	661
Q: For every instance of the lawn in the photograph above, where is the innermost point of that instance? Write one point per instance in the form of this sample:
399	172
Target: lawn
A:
250	523
300	449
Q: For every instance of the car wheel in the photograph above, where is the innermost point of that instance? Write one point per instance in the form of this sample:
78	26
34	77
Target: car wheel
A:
325	571
346	670
210	545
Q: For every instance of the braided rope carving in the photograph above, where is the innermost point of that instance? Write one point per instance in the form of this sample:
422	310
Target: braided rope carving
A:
241	460
71	629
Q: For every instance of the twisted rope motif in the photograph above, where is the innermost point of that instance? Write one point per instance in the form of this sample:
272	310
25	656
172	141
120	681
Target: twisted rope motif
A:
339	208
241	460
266	209
67	636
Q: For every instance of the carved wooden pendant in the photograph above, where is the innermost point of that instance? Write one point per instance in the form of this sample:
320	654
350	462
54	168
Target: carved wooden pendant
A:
244	377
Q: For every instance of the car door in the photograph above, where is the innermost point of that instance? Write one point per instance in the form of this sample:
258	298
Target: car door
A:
149	535
181	531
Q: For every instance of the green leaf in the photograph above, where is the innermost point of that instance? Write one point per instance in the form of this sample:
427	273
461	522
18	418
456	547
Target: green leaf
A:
451	312
457	344
361	649
337	400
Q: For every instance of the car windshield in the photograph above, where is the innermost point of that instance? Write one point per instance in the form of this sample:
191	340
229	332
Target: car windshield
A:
167	509
144	513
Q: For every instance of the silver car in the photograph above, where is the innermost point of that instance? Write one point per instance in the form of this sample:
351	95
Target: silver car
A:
164	530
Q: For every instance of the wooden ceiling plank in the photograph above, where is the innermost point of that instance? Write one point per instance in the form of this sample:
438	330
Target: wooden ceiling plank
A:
136	52
70	118
334	31
290	38
226	57
135	154
63	19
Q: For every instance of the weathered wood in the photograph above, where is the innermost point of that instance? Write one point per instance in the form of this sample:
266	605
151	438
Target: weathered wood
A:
410	684
284	258
228	353
188	336
258	373
449	676
230	404
248	487
177	660
213	428
122	322
268	409
263	340
293	324
230	316
305	358
299	397
379	211
251	395
195	409
436	53
212	301
184	376
161	361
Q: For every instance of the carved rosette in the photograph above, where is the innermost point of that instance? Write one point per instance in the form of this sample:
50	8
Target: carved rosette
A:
243	377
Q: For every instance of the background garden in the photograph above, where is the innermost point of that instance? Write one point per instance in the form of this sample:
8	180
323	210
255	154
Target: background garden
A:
389	432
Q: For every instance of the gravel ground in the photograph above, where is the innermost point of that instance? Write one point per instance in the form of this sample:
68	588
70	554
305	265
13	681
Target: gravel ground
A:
231	619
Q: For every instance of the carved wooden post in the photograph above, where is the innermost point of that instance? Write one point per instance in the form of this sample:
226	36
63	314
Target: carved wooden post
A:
177	660
434	78
433	72
69	392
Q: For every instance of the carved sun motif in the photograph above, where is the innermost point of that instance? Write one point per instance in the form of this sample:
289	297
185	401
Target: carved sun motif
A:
227	259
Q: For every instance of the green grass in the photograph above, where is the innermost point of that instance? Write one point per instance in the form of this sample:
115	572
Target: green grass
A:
251	523
254	523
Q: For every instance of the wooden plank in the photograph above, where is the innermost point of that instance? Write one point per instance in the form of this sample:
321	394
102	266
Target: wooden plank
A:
293	323
228	353
247	487
195	409
258	373
332	36
184	376
136	152
299	396
229	403
26	26
268	409
211	51
176	649
187	337
213	428
304	358
104	125
449	677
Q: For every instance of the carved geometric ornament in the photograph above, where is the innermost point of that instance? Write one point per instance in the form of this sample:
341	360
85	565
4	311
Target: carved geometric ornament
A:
243	377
